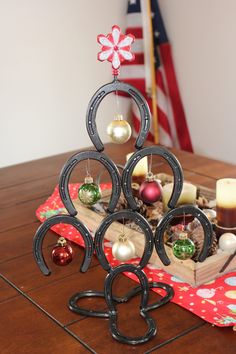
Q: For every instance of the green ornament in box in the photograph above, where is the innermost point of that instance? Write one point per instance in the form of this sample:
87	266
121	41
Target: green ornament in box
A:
89	192
183	248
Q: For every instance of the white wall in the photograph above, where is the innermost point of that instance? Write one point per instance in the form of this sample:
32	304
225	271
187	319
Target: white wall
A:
203	35
49	71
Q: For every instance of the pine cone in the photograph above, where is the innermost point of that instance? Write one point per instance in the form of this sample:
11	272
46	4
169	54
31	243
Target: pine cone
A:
197	237
202	202
123	204
154	213
133	226
194	224
164	178
142	207
135	189
214	246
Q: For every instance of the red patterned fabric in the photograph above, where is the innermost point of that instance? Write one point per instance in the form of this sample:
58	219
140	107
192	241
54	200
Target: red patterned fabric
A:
214	301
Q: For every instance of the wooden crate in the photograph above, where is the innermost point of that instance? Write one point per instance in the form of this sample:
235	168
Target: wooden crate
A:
194	273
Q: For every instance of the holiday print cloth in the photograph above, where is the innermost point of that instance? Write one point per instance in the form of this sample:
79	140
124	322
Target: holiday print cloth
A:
214	301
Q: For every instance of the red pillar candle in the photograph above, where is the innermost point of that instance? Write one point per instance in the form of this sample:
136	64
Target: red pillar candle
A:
226	202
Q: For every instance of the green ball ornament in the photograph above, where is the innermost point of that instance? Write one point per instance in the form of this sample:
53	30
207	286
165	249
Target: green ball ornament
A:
89	193
183	248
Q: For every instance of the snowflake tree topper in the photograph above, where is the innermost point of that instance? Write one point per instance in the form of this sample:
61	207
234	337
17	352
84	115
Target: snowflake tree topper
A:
116	48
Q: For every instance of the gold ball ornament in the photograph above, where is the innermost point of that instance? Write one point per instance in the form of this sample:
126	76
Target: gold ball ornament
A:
119	130
123	249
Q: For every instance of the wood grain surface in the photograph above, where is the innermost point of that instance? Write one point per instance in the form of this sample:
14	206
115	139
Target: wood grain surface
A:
34	313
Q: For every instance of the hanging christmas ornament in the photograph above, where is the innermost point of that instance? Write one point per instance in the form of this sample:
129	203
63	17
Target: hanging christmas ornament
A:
89	193
227	242
150	190
123	249
62	253
119	130
183	248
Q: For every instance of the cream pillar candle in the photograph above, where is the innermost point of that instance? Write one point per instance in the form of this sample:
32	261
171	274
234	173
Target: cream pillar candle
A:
141	169
187	196
226	202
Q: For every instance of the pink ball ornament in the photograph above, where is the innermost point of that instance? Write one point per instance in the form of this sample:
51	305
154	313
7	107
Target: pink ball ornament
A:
150	190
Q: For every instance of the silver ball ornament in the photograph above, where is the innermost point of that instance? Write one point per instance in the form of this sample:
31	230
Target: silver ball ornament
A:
227	242
119	130
123	249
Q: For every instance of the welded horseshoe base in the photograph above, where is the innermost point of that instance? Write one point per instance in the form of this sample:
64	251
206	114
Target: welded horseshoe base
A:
75	307
136	157
66	219
161	227
70	165
143	305
95	101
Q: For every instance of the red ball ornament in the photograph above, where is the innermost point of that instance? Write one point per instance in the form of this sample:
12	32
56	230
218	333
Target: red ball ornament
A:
150	190
62	253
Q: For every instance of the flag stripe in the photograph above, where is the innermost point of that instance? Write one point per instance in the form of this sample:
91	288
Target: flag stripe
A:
162	116
134	20
137	46
138	60
165	106
136	125
160	81
178	111
137	32
172	124
139	84
132	72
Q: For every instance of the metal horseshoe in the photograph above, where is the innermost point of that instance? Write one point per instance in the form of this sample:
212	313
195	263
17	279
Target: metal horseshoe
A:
66	219
68	168
136	157
95	101
163	223
119	215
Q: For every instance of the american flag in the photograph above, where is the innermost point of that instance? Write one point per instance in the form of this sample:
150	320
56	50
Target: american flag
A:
172	125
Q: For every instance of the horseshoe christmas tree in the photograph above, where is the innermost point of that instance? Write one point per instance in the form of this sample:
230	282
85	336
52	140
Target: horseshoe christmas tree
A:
116	48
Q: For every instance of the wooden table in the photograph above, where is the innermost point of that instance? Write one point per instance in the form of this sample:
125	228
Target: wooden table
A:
34	316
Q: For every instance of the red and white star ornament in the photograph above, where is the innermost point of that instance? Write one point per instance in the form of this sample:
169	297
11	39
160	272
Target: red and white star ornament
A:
116	47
